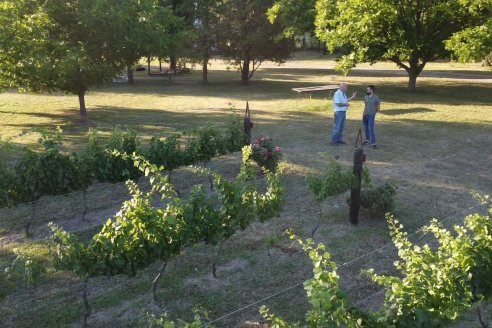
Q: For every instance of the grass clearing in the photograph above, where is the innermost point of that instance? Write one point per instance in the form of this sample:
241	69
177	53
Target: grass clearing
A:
435	144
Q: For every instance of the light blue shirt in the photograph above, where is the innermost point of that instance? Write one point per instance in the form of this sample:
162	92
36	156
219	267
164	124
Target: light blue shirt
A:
340	98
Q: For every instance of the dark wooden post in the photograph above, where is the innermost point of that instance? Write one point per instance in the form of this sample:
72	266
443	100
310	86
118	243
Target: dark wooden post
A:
248	125
357	169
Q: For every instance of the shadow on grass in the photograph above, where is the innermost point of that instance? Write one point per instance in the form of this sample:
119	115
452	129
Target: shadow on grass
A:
403	111
277	84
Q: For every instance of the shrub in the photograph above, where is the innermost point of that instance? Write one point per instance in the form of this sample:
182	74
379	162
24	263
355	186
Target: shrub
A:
234	136
377	201
334	181
166	153
105	165
6	185
265	154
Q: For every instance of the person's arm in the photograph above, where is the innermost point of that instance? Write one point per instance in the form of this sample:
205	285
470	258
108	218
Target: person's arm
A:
378	105
353	96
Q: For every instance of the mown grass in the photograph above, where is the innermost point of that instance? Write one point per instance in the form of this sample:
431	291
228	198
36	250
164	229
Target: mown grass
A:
435	144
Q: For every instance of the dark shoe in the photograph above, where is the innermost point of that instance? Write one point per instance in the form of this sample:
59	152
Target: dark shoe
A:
366	142
374	146
334	144
342	142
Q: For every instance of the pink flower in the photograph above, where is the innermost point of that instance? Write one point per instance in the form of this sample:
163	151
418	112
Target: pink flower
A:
277	149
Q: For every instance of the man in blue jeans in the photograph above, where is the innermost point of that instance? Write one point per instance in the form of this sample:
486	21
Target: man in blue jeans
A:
341	104
372	106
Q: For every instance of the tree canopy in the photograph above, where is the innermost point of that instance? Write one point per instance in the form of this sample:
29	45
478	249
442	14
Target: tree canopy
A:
73	45
247	38
475	42
410	33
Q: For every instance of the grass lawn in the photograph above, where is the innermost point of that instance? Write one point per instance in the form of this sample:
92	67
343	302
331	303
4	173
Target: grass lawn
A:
436	144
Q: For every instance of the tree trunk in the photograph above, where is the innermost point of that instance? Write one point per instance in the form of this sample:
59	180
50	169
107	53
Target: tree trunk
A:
129	72
173	62
148	65
205	71
83	110
160	64
245	72
412	80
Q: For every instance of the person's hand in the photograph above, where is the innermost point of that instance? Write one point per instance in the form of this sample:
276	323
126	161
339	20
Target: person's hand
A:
354	94
348	105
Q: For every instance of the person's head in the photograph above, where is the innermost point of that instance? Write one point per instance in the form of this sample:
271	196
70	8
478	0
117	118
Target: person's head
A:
343	86
371	89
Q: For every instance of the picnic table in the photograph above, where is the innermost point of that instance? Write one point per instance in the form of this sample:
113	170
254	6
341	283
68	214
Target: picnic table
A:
309	90
167	73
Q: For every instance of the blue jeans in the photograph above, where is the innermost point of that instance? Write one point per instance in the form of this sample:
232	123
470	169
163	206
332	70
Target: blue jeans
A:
369	127
338	127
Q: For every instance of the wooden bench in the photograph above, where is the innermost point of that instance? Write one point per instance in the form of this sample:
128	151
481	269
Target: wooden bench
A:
309	90
167	73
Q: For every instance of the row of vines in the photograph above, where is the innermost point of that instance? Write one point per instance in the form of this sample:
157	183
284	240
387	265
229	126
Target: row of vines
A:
435	285
144	232
53	172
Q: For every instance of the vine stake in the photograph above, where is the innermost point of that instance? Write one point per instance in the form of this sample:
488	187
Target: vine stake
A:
156	281
214	264
88	308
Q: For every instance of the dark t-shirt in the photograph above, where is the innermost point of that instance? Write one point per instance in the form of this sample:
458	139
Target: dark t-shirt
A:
371	104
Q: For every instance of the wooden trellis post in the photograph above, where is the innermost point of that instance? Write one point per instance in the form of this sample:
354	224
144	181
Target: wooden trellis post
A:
248	125
357	169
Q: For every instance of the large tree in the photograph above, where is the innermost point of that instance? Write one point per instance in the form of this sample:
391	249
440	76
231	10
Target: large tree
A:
247	38
73	45
297	16
475	42
410	33
204	19
57	45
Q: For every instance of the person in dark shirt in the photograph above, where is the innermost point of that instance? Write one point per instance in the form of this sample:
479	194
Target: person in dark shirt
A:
372	106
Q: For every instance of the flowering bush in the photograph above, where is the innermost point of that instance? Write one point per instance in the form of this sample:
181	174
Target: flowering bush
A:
265	154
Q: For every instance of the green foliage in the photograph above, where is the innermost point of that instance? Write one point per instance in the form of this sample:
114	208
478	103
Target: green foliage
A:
329	305
166	153
51	172
436	284
377	201
50	140
47	173
297	17
24	270
475	42
7	179
265	154
154	321
75	45
404	33
105	165
246	38
334	181
234	136
141	234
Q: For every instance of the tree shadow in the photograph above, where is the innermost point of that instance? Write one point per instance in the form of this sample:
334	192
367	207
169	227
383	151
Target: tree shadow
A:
403	111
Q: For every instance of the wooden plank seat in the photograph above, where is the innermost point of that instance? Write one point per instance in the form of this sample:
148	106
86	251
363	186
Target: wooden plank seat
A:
170	74
308	90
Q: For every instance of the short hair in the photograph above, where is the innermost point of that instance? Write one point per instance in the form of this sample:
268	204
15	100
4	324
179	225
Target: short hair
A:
372	87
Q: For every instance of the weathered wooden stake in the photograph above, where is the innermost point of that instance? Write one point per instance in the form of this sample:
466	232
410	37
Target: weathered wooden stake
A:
33	216
319	220
84	199
155	283
214	264
88	307
357	169
248	125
